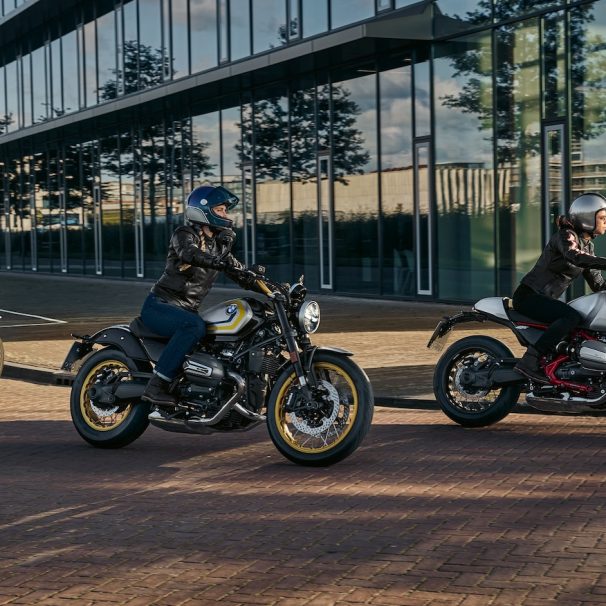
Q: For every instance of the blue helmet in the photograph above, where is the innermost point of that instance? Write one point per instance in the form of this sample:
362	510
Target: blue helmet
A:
203	199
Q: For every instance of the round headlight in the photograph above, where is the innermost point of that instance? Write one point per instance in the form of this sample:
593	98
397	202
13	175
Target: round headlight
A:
309	316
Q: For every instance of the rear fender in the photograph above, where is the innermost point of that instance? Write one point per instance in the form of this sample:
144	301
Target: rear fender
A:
118	336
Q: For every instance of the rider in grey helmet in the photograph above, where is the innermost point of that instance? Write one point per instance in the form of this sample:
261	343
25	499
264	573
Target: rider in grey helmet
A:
568	254
196	253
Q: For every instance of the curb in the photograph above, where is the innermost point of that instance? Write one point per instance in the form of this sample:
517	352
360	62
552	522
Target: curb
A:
36	374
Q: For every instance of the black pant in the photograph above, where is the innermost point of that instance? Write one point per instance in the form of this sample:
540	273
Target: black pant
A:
561	317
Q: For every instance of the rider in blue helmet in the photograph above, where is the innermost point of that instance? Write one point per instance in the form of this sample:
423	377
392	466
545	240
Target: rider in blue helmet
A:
197	252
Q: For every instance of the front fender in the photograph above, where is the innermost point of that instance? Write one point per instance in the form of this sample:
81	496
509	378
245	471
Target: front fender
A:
311	352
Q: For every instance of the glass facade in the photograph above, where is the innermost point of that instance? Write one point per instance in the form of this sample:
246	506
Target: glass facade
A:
431	169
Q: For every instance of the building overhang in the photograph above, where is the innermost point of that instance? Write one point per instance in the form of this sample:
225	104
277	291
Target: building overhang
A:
405	28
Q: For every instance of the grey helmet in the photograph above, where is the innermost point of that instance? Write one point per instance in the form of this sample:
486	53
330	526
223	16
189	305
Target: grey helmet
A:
583	210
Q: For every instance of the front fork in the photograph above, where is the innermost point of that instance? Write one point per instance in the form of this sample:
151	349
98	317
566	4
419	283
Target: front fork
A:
306	380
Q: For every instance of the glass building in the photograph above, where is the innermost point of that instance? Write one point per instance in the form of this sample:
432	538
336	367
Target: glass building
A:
384	148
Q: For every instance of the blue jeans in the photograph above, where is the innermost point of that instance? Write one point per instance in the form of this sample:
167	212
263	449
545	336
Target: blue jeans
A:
185	328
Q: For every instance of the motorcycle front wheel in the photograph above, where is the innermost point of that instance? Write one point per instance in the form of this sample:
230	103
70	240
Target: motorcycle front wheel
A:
328	427
106	425
472	407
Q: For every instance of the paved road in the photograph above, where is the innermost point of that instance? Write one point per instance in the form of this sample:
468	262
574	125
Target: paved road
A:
423	513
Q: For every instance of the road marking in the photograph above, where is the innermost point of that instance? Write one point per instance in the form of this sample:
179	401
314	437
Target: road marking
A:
17	313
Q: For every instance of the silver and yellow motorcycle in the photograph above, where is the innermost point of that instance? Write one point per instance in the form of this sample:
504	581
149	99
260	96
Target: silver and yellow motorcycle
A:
255	365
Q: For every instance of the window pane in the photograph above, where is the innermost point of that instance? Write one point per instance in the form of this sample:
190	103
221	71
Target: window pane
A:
455	15
518	114
26	101
3	120
507	10
151	56
106	35
204	154
397	200
240	29
76	218
422	99
350	11
110	204
203	35
12	104
90	64
56	102
269	24
128	64
180	48
70	72
588	144
272	188
554	71
315	17
354	165
464	168
39	79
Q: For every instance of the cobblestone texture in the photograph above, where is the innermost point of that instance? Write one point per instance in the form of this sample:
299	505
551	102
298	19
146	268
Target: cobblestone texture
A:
423	513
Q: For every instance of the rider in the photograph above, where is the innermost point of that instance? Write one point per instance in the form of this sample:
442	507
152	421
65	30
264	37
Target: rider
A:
196	253
568	253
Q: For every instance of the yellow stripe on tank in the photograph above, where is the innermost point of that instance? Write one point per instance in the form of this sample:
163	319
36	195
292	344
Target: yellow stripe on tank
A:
239	317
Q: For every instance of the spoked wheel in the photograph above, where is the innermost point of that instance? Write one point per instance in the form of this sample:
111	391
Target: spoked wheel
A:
106	425
330	425
467	405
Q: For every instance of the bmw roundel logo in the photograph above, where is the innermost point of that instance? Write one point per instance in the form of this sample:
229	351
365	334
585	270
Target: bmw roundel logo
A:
231	308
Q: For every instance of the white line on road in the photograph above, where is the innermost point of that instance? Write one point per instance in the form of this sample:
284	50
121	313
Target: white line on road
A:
17	313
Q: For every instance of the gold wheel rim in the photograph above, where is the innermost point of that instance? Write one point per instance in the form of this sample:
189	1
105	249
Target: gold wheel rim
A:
97	418
339	428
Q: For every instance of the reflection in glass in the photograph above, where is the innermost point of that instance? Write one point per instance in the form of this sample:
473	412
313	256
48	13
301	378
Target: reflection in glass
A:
128	64
106	38
350	11
56	87
70	72
304	181
3	120
422	99
554	70
272	188
232	172
294	19
180	39
239	29
90	64
518	114
588	120
464	172
399	277
39	80
26	100
246	164
12	104
203	35
269	24
459	14
223	30
75	217
152	58
354	166
517	8
111	212
314	17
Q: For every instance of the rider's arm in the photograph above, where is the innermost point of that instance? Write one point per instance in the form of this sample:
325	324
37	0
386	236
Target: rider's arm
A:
568	246
595	279
186	247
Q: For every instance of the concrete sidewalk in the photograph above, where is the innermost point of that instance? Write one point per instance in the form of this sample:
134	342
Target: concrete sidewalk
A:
388	338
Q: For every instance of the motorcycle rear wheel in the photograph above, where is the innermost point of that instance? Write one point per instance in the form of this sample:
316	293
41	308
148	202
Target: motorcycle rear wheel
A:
315	438
472	407
106	425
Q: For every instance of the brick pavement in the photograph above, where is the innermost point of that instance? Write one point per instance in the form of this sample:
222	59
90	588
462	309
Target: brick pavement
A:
424	512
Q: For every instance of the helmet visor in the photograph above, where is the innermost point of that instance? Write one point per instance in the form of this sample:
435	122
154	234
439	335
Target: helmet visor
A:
222	195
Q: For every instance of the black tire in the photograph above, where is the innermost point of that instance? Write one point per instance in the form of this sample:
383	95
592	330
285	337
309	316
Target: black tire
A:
468	408
96	428
351	395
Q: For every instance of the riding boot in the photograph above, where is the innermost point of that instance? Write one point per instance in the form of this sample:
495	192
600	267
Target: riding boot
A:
156	392
530	367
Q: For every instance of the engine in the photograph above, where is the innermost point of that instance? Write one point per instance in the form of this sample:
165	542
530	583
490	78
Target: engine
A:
592	355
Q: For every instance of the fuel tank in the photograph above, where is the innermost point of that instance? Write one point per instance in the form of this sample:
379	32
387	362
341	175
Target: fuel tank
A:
593	309
228	318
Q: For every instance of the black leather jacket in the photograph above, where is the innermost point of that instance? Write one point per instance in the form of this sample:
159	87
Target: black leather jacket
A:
566	256
192	266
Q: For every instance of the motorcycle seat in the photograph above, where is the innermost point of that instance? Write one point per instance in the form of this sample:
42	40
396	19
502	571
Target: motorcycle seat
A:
140	330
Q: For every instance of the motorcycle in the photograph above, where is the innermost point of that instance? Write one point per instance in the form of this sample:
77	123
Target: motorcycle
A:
255	365
475	382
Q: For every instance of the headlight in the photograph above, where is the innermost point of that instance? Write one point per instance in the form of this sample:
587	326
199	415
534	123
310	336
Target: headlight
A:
309	316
